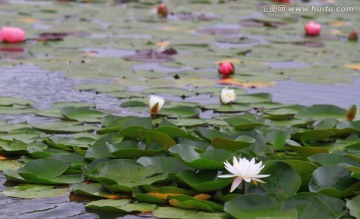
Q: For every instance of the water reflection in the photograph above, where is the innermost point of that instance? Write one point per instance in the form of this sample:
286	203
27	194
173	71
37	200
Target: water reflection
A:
12	50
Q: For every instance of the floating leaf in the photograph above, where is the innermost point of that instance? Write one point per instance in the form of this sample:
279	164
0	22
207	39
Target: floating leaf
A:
210	159
34	191
239	143
203	181
171	212
64	127
252	205
187	202
334	181
123	175
354	206
282	182
82	114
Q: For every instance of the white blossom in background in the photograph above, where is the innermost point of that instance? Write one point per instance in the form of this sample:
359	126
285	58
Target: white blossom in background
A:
155	104
227	96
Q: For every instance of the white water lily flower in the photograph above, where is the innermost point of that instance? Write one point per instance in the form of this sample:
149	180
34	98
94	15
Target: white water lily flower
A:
244	169
155	104
227	96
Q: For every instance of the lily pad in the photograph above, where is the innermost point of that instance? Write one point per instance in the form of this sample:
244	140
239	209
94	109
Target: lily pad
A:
82	114
208	160
123	175
203	181
252	205
34	191
334	181
64	127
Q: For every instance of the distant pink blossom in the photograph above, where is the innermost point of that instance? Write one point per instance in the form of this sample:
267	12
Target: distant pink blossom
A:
226	68
353	36
12	35
312	29
162	10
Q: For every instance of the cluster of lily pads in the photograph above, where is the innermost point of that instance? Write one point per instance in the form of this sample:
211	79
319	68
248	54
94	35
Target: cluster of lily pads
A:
169	165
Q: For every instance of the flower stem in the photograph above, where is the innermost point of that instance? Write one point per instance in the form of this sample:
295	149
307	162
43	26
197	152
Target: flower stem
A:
243	188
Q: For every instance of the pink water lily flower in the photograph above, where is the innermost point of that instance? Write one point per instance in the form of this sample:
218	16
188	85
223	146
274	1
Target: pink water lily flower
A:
162	10
12	35
226	68
312	29
353	36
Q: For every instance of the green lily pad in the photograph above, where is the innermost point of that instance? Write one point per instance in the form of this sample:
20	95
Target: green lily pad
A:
92	190
333	159
189	122
282	182
64	127
303	201
8	101
48	171
209	134
9	164
239	143
133	149
162	162
210	159
82	114
188	202
313	135
171	212
34	191
122	205
123	175
277	137
172	132
354	206
323	111
134	103
252	205
66	143
132	126
254	98
106	88
243	124
181	111
334	181
157	137
203	181
229	108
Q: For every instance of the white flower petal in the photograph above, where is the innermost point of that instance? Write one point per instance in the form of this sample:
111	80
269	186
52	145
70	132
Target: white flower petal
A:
227	176
235	183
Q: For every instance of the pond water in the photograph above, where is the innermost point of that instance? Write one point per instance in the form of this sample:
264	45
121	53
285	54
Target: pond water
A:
129	52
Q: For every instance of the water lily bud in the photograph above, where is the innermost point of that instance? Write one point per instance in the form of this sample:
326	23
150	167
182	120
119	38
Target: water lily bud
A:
12	34
353	36
155	104
351	113
162	10
227	96
312	29
226	68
